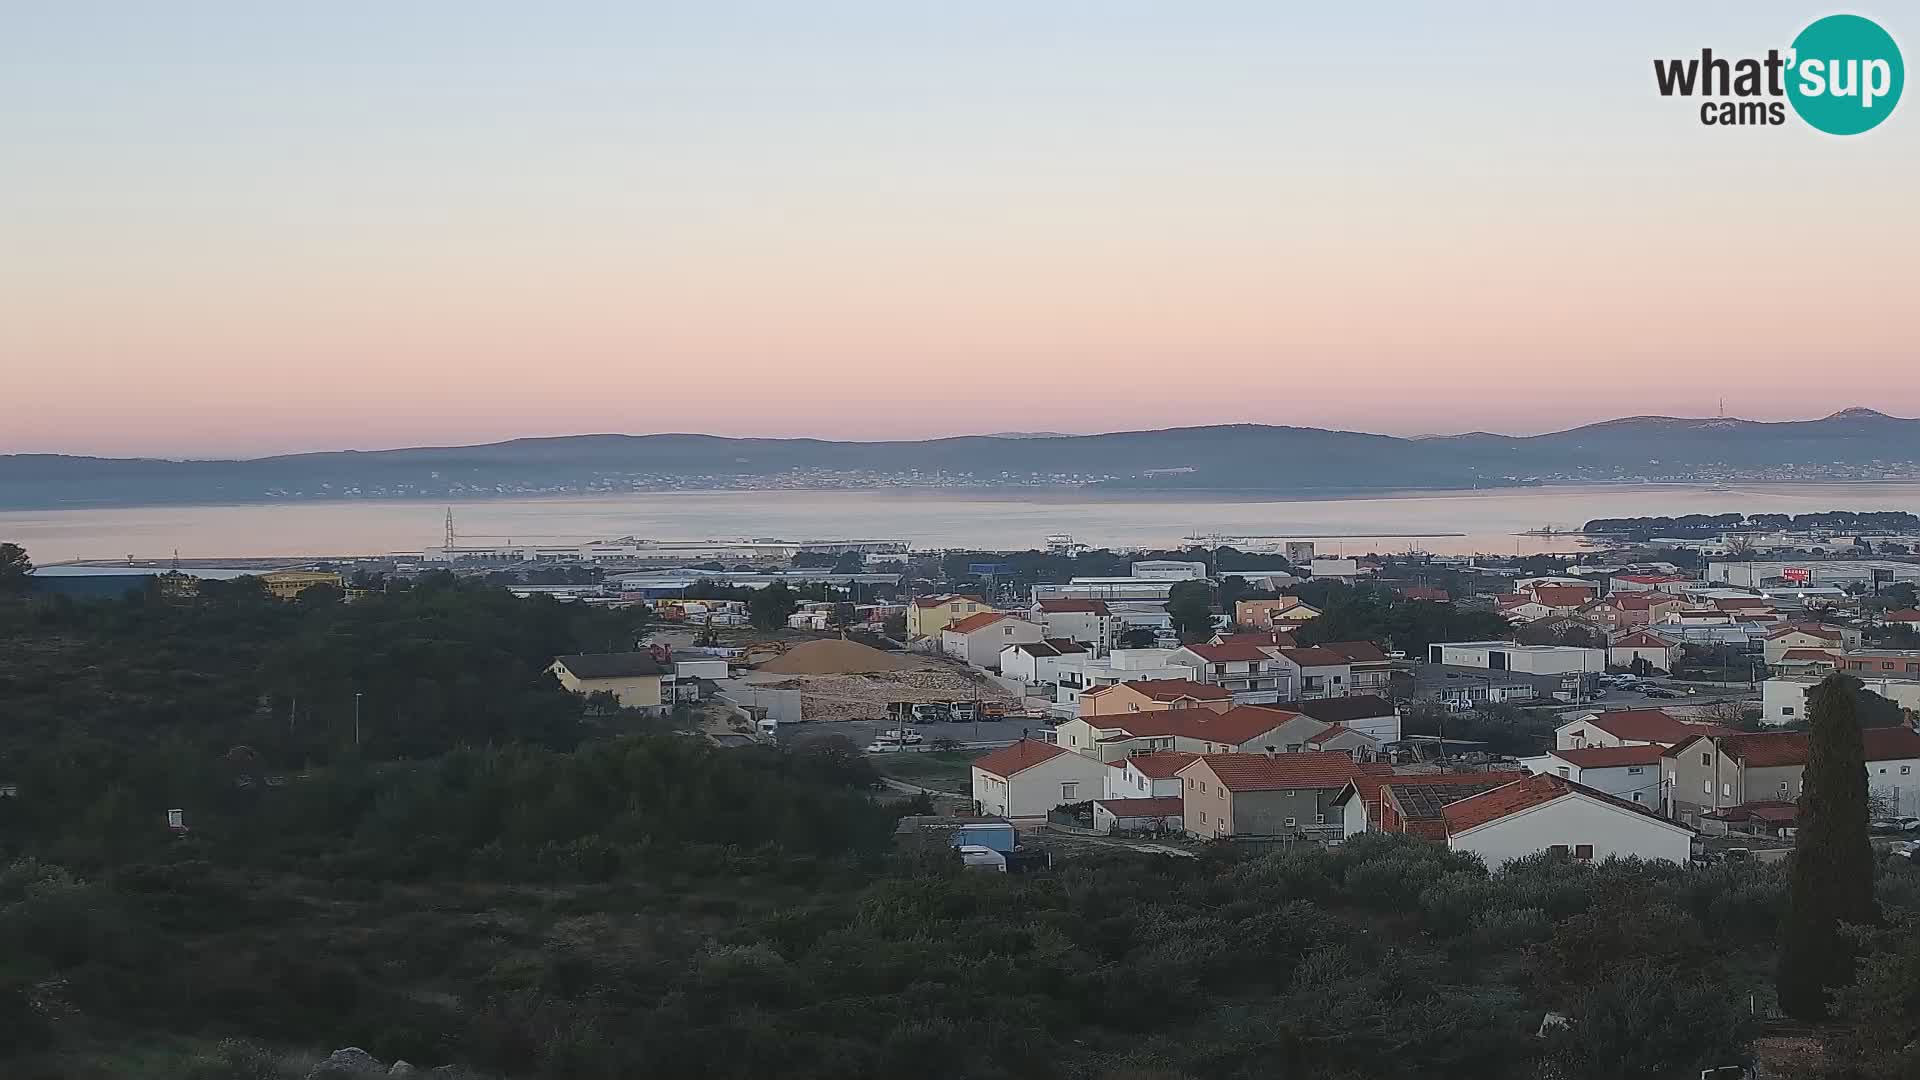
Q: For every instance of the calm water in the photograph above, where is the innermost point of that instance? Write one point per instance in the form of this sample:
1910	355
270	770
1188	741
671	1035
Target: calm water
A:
1488	520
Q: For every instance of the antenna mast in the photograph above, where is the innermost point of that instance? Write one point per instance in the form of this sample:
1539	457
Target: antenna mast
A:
449	539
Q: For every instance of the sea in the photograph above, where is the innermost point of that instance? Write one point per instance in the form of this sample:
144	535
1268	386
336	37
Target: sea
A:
1490	521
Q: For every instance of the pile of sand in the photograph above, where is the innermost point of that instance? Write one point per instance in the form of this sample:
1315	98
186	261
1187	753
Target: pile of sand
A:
834	656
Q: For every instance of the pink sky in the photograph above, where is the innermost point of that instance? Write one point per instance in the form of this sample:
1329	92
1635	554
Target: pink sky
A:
238	250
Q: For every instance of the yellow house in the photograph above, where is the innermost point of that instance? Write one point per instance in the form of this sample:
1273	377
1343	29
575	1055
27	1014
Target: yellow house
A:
287	584
1281	614
632	678
927	616
1154	695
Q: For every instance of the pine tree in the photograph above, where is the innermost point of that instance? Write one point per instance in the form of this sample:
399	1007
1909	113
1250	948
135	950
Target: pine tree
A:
1832	873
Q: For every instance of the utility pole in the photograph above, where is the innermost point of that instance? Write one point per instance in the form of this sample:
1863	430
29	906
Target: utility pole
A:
356	719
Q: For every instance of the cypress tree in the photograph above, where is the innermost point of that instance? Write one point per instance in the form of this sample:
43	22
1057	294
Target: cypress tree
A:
1832	874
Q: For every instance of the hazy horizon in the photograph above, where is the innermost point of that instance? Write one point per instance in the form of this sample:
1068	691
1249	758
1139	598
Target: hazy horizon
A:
235	231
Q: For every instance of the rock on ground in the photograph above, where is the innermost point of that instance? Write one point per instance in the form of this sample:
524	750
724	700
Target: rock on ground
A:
349	1062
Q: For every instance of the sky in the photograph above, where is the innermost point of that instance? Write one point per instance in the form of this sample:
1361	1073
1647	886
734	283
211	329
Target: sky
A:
234	229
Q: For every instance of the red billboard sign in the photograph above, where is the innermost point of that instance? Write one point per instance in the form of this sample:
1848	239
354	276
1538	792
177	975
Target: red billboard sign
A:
1799	575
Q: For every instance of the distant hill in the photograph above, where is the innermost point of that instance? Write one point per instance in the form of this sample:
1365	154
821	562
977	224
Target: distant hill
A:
1853	443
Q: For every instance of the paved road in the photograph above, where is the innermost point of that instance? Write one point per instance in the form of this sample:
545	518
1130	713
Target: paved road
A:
985	735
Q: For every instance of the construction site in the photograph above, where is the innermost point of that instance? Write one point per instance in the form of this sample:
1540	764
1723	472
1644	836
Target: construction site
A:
838	679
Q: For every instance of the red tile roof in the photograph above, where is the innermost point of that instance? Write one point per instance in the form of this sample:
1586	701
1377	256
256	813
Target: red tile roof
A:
1232	727
1333	731
1607	757
1018	758
1356	652
1809	630
1903	615
1735	603
1088	607
1827	655
1232	653
1650	725
1651	579
1259	637
1422	592
975	622
1489	806
1309	769
1563	596
1316	656
1769	749
1161	806
1161	765
1890	743
1167	690
1640	601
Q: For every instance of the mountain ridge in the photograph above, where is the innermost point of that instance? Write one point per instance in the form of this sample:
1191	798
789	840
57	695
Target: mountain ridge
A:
1852	443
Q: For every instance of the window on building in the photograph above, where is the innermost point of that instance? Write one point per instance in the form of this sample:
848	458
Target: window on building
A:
1319	819
1290	823
1706	759
1564	771
1906	770
1583	852
1635	770
1706	787
1203	817
1559	849
1786	710
1069	791
1221	793
1636	796
1726	791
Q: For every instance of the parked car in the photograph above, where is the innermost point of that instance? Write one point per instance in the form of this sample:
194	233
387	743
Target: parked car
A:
1661	692
930	713
899	737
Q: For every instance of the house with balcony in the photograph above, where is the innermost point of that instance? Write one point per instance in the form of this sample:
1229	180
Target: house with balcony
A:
1252	672
1089	622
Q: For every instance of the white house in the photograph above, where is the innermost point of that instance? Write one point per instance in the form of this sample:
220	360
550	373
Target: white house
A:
1030	778
1034	663
1783	698
1076	674
1625	652
1146	776
1256	674
977	639
1629	727
1547	812
1089	622
1625	772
